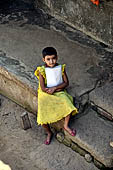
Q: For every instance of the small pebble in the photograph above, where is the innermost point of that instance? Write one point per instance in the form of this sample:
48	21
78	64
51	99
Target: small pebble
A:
88	157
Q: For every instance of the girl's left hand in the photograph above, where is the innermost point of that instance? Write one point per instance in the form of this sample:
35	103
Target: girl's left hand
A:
51	90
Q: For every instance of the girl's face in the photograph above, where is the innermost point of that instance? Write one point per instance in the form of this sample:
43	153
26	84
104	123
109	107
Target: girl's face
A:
50	60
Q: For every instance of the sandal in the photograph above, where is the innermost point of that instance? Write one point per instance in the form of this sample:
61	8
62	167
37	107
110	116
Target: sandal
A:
72	133
47	142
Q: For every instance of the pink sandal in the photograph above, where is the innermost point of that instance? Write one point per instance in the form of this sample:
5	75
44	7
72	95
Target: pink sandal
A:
72	133
47	142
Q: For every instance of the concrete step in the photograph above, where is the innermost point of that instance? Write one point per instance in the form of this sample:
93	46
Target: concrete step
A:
94	134
103	97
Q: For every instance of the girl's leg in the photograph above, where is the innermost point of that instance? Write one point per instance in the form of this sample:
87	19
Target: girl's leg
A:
49	133
66	126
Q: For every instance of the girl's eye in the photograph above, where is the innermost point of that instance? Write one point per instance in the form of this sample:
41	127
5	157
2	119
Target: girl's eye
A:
54	58
48	59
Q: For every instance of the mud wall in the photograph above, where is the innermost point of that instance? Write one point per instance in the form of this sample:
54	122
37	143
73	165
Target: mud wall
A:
95	21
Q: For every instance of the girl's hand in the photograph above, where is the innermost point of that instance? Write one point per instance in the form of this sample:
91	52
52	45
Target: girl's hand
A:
59	90
51	90
46	89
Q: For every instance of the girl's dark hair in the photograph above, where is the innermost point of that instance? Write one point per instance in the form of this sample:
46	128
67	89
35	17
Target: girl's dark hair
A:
49	51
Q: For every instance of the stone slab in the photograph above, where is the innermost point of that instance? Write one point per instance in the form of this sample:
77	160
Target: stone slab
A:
26	44
18	83
94	135
103	97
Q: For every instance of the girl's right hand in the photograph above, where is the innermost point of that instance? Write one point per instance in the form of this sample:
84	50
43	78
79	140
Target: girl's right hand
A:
51	90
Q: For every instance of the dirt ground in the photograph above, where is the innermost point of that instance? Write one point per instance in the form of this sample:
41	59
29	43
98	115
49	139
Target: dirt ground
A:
25	149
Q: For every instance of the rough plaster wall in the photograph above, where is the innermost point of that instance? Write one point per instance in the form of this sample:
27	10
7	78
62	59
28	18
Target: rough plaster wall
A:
95	21
83	15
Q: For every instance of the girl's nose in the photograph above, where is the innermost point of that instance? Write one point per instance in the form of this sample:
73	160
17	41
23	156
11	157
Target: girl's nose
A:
51	61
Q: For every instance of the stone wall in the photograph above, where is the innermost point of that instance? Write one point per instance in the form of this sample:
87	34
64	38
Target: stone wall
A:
7	4
95	21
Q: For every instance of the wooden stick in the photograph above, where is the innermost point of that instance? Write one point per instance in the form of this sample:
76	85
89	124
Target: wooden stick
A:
25	121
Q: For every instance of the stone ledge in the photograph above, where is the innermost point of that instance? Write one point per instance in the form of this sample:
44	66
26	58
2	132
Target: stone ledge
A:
103	97
94	134
75	147
17	82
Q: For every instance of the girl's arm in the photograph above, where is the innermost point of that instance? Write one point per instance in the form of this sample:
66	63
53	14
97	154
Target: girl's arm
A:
42	83
64	84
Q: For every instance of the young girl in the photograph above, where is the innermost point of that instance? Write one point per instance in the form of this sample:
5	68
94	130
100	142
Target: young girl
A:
54	103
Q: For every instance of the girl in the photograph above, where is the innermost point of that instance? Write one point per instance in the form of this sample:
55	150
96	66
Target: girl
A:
54	103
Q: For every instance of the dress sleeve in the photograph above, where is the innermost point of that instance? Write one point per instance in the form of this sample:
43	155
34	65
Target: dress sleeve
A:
63	68
41	70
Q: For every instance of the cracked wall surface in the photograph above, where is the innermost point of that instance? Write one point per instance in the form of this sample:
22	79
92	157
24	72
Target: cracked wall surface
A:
95	21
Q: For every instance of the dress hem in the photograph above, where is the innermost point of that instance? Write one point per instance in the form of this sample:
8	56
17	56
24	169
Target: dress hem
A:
60	118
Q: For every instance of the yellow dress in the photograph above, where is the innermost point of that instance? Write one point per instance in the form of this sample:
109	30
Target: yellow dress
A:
52	108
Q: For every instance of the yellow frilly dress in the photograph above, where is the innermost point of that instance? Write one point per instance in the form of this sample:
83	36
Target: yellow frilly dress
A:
52	108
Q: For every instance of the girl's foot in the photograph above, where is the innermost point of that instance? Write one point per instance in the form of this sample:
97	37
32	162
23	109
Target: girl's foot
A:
48	139
72	132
